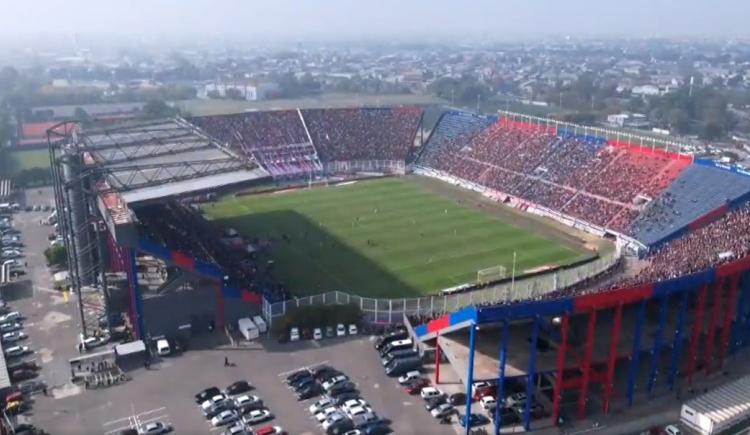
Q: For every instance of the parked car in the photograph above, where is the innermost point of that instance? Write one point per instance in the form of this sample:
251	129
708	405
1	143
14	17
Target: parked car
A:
16	351
155	428
309	391
238	387
10	327
346	387
214	400
206	394
298	375
294	334
456	399
430	392
474	420
225	417
345	397
18	375
26	365
443	410
13	316
488	402
515	399
10	337
434	402
416	386
409	376
536	410
340	330
350	404
317	334
321	404
238	428
327	385
330	332
269	430
218	408
353	329
258	416
247	402
93	342
337	422
322	415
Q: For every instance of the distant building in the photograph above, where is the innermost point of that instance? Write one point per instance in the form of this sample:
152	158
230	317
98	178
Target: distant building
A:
248	91
646	90
103	110
629	120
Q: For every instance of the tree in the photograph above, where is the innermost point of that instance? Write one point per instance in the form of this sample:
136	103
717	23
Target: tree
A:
234	94
157	109
56	256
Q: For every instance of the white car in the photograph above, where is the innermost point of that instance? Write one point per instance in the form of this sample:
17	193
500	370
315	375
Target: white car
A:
237	428
442	410
359	410
317	334
333	419
93	342
672	430
9	327
335	381
354	403
408	377
429	392
320	405
246	400
340	330
155	428
225	417
353	432
257	416
515	399
352	329
17	350
323	415
10	337
214	401
488	402
13	316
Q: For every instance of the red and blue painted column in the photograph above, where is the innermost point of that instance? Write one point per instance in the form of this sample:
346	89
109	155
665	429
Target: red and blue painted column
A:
588	350
729	317
713	324
612	357
695	338
500	397
470	376
561	353
677	342
531	375
658	344
636	352
136	300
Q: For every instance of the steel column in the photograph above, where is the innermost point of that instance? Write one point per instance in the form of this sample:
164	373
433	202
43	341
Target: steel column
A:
744	327
437	358
531	374
612	359
560	369
136	299
729	314
588	350
658	342
219	305
674	365
470	376
740	320
700	309
636	352
713	324
500	397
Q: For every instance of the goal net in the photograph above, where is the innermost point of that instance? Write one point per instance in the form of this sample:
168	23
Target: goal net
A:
490	274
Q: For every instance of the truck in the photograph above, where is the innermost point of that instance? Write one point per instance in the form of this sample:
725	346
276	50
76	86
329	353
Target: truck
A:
247	328
261	324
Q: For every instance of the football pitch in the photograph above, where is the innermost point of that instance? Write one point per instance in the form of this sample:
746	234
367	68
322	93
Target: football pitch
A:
383	238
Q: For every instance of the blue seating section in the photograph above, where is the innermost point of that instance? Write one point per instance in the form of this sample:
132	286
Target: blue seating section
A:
696	192
455	124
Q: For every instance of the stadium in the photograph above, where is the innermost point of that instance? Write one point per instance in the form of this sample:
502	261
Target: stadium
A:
589	268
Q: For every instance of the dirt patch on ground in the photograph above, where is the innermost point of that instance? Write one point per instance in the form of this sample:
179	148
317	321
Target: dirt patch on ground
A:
550	228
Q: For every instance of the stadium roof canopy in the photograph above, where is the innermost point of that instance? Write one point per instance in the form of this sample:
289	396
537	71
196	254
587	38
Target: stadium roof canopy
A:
151	160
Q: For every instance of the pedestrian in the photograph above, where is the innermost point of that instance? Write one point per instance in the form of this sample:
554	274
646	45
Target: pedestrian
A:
44	390
226	361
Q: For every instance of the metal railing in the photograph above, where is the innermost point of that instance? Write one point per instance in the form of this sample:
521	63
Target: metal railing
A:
393	310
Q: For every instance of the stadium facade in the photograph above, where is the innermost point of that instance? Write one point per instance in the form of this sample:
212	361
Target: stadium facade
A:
643	193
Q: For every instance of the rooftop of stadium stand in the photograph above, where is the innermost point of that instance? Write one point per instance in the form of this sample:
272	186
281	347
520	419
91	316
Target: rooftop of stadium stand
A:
149	160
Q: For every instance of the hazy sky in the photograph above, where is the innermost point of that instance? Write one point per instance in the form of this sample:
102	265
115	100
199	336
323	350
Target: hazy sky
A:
356	18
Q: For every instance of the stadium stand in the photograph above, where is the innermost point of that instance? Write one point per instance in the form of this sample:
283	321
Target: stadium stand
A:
275	139
454	126
356	134
696	192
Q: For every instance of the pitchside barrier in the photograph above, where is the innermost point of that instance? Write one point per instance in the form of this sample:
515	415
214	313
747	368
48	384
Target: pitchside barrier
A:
397	167
393	310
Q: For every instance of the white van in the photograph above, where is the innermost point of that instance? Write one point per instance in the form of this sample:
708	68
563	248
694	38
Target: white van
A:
294	334
247	328
260	323
162	347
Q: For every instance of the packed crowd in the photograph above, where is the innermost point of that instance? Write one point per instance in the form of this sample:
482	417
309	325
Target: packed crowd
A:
363	133
565	174
276	139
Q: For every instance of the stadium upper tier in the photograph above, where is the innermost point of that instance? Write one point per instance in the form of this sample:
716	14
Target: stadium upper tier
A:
645	193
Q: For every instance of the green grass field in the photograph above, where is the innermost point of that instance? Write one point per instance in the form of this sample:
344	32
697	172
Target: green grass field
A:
28	159
383	238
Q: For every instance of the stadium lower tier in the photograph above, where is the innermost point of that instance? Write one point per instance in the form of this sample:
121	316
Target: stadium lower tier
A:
632	343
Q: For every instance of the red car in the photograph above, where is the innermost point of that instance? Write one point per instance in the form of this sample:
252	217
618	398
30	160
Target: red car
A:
415	387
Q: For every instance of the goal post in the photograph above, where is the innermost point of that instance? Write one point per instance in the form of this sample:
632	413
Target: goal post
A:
490	274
